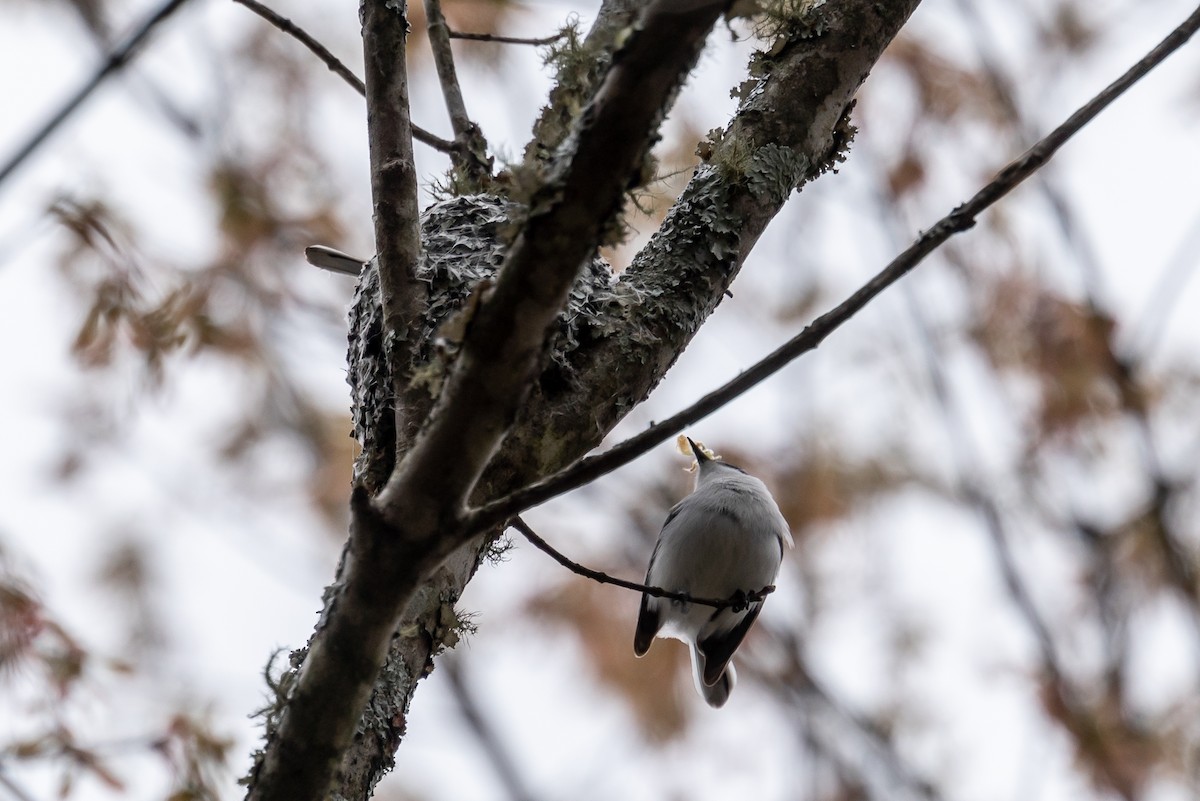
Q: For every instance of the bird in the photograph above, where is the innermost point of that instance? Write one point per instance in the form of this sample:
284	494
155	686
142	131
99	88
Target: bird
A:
724	539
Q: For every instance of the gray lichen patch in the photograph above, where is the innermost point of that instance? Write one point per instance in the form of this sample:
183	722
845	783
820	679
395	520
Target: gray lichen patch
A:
464	245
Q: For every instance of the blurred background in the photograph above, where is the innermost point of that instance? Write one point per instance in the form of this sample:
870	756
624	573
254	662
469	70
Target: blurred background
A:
990	473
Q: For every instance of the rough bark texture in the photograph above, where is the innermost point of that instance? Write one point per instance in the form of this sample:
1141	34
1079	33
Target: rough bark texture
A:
610	347
403	534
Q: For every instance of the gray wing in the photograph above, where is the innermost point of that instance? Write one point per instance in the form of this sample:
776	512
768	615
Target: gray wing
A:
650	613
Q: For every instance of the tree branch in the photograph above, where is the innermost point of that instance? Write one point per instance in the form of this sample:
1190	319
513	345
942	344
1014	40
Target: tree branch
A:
960	219
495	37
117	58
400	538
394	190
470	156
736	602
502	351
336	66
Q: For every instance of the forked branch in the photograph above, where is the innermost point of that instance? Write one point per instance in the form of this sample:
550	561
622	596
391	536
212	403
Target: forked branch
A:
960	219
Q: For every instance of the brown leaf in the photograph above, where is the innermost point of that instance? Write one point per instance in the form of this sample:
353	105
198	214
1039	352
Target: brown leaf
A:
907	175
944	89
1117	752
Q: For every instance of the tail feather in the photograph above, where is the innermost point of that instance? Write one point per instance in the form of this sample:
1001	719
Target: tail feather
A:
717	693
648	624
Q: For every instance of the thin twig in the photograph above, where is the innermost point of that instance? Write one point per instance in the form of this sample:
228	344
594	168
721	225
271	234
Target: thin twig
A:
495	37
736	602
341	70
117	58
443	61
961	219
470	156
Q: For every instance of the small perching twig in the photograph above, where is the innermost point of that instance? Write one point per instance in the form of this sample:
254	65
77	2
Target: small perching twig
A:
960	219
116	59
336	66
736	602
495	37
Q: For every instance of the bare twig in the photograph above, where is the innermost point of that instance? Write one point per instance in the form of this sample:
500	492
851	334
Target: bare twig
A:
471	154
736	602
961	219
495	37
305	38
117	58
336	66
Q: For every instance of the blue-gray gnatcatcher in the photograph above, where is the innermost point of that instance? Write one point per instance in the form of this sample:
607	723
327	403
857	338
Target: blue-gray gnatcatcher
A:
726	537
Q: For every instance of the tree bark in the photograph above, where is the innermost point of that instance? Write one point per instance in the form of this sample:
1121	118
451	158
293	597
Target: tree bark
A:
609	347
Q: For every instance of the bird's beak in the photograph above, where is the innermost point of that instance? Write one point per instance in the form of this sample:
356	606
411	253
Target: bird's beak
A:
699	453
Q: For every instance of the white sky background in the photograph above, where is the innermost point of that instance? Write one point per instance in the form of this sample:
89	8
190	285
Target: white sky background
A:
236	579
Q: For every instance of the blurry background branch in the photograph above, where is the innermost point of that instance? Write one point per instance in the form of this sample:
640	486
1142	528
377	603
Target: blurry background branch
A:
961	219
173	261
116	60
516	785
336	66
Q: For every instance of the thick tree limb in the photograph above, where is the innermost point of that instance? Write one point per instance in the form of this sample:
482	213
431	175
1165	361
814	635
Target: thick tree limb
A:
400	538
960	219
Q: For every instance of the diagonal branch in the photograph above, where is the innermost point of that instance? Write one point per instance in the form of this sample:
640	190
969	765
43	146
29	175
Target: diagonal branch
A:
399	538
335	65
492	743
736	602
470	156
502	352
961	219
443	61
117	58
